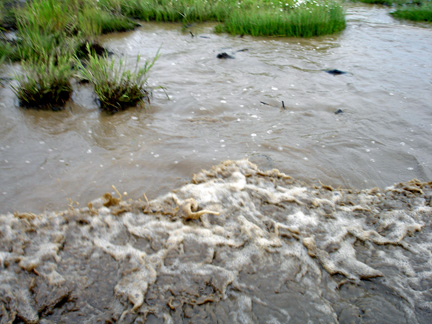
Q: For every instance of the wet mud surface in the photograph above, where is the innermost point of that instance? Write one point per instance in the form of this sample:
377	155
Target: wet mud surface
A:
265	249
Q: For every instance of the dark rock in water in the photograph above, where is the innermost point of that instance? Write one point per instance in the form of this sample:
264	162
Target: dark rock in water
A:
224	55
339	111
94	48
335	72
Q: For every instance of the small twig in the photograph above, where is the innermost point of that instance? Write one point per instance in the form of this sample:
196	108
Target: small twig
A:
145	197
117	192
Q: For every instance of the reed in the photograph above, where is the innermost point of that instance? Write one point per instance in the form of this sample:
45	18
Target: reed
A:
45	82
116	87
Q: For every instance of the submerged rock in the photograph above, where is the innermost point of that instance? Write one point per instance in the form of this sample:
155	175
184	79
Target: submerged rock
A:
224	55
335	72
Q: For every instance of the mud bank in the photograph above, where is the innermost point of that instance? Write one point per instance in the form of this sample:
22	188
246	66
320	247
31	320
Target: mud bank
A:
264	248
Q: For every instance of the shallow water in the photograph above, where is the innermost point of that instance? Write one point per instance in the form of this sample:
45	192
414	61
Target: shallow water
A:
215	113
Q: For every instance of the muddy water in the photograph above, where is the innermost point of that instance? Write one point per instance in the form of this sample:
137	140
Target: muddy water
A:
215	113
265	248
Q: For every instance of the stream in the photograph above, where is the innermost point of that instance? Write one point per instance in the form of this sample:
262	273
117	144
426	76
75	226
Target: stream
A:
313	217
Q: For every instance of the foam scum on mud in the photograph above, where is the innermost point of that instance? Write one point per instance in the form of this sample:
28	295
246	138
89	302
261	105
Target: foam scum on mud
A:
235	245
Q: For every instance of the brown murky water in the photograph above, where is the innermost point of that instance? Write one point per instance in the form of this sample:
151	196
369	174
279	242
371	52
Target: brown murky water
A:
382	137
267	248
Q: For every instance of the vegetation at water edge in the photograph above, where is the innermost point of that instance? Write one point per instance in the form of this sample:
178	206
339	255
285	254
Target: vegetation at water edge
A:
298	18
45	82
415	10
116	87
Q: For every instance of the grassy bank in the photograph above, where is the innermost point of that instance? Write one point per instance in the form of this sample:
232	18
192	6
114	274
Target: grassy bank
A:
299	18
421	11
415	10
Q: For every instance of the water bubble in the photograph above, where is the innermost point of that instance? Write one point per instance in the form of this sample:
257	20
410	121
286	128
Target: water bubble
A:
89	151
223	101
134	118
253	134
274	88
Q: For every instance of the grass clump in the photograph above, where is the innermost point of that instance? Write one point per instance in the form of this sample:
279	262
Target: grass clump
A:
45	82
301	18
116	87
415	12
47	25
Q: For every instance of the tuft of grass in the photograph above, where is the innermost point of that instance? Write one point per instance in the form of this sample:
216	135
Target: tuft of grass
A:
45	82
116	87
